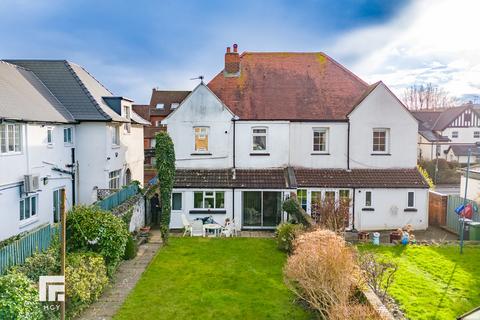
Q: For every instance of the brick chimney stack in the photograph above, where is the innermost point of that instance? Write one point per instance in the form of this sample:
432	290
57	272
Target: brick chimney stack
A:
232	61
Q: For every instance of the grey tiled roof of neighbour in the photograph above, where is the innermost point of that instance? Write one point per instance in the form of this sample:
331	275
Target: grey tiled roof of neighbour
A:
462	149
77	89
287	178
23	97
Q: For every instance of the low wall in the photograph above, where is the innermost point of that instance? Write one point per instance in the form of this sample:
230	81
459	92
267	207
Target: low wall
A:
132	211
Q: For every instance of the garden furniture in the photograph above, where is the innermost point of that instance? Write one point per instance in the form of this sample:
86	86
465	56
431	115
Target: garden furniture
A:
216	228
186	225
197	229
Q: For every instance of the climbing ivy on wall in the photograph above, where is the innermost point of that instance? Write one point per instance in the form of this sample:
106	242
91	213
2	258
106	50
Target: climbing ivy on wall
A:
165	165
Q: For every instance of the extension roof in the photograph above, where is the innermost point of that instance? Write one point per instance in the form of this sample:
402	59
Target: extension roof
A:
289	86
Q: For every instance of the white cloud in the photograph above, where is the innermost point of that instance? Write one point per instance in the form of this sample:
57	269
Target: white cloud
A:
429	41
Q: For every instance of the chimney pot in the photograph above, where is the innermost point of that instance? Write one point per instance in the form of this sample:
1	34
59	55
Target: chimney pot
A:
228	49
235	47
232	61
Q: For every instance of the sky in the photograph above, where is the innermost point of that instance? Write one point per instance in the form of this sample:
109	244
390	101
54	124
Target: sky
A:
134	46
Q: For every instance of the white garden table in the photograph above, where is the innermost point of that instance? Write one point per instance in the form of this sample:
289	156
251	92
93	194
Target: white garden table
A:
216	228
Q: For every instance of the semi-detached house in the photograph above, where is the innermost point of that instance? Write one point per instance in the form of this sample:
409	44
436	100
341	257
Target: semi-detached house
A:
270	124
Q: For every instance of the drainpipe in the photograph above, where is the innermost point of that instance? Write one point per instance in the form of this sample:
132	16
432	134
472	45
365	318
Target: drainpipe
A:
234	119
73	177
348	145
353	211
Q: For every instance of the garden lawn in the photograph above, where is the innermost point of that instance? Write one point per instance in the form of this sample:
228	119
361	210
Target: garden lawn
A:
214	278
433	282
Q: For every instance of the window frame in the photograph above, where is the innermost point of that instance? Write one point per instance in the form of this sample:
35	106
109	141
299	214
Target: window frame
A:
174	105
213	197
17	140
128	115
408	199
160	106
326	140
181	201
365	199
32	209
253	135
301	198
50	136
115	133
65	141
206	136
476	134
112	177
387	140
455	134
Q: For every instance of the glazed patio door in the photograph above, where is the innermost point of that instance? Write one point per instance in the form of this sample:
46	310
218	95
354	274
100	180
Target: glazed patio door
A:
262	209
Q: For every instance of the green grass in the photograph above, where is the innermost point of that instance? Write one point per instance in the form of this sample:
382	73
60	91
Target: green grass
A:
434	282
207	278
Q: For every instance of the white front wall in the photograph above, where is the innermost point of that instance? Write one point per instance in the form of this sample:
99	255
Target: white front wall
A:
36	158
389	209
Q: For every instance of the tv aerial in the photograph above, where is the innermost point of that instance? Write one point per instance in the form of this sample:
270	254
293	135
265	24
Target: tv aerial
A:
199	77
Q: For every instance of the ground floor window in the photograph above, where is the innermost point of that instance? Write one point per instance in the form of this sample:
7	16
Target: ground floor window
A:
57	203
114	179
368	199
411	199
209	199
262	208
302	198
28	207
177	201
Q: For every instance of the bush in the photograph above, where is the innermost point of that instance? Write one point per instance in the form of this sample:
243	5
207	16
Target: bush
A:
131	248
322	271
286	234
86	277
19	298
41	264
295	210
91	229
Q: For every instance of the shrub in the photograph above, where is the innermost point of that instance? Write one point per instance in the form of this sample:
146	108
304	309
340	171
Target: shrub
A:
18	298
131	248
91	229
86	277
352	311
295	210
330	214
286	234
41	264
379	274
322	270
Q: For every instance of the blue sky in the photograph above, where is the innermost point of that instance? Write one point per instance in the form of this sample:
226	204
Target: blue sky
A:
133	46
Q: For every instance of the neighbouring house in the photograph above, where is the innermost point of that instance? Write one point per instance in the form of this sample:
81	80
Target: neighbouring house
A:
106	141
35	157
162	103
473	188
273	124
447	133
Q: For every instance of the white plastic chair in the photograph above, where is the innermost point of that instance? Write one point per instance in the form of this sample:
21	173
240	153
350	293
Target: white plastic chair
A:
227	230
186	225
197	229
234	227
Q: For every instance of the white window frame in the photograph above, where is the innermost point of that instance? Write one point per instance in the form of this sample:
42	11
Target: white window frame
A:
455	134
408	205
207	135
326	142
365	199
476	134
174	105
115	132
128	115
214	196
387	140
253	135
65	141
32	214
181	201
160	106
15	131
114	181
50	136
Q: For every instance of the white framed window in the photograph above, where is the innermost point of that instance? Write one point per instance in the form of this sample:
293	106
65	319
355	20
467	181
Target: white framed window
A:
49	136
259	139
380	141
115	136
174	105
127	125
368	199
153	161
201	139
114	179
454	134
10	138
476	134
28	207
160	106
302	198
153	143
320	140
57	202
209	199
410	199
158	123
68	136
177	204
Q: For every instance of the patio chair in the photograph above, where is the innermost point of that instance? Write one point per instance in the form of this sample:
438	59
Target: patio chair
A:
234	228
197	229
186	225
227	231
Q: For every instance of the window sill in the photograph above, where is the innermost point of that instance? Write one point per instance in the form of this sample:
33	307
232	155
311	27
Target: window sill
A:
410	210
50	145
265	154
368	209
68	144
208	211
8	154
381	154
27	222
200	154
320	154
115	146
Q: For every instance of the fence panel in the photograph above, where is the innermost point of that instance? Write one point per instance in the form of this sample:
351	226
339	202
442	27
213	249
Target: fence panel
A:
118	197
19	250
453	223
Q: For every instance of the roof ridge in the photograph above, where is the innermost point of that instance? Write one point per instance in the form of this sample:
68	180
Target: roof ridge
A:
93	77
85	90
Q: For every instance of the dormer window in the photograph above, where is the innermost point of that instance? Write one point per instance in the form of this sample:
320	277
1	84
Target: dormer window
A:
160	106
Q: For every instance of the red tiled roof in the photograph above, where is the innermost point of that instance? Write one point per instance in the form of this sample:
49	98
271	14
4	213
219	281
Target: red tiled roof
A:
360	178
295	86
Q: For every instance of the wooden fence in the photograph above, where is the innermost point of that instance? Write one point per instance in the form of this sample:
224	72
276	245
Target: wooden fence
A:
452	223
19	250
118	197
437	209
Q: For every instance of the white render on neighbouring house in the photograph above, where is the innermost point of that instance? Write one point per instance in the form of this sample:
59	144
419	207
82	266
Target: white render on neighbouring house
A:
244	143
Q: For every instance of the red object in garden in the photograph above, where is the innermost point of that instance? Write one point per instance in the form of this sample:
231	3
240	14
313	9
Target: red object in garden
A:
395	236
363	236
468	211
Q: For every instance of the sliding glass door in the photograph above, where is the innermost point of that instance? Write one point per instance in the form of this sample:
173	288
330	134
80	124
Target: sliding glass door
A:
262	209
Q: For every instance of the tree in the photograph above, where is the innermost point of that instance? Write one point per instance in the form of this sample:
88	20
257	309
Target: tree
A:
165	156
427	97
331	214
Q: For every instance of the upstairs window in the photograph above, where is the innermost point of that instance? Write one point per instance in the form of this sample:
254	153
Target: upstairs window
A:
380	140
128	116
454	134
320	136
10	138
114	179
115	136
160	106
174	105
201	139
68	135
476	134
50	136
209	199
259	139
